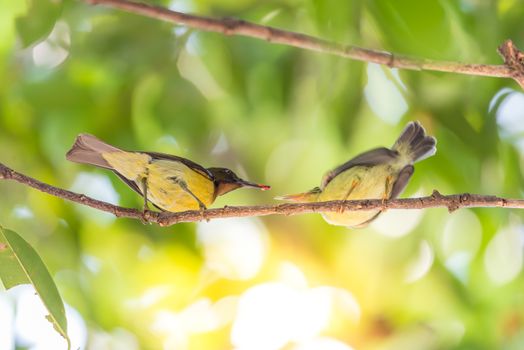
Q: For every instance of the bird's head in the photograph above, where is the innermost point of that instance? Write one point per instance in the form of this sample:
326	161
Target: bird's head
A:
226	181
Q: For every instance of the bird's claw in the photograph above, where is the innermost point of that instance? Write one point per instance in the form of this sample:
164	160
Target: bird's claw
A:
203	210
342	207
384	203
145	217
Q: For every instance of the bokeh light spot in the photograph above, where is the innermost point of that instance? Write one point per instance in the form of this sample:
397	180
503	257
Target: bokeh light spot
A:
200	317
233	248
383	96
398	223
322	343
35	332
459	246
55	49
503	256
23	212
510	116
422	264
7	315
98	187
274	314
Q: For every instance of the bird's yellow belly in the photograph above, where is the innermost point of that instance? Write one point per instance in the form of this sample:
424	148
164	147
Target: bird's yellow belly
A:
357	183
165	191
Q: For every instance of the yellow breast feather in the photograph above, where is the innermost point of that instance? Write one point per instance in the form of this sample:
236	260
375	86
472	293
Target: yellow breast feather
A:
357	183
164	182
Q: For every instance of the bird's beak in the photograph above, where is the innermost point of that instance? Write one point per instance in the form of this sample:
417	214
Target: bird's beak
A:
245	183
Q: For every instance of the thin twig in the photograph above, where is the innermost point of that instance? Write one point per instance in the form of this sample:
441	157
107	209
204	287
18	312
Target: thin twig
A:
513	66
452	202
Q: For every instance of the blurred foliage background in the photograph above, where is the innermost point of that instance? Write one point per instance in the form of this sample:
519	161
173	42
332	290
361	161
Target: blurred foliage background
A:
277	115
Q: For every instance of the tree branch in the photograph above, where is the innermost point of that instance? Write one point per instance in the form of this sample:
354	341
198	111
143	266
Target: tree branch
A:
452	202
513	66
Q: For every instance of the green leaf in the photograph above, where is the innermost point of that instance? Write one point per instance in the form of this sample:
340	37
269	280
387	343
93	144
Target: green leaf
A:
145	101
21	264
39	20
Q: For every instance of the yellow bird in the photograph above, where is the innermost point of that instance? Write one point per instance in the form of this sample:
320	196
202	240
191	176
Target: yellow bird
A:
171	183
380	173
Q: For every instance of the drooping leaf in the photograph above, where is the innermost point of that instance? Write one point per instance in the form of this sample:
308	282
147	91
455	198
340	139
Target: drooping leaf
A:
21	264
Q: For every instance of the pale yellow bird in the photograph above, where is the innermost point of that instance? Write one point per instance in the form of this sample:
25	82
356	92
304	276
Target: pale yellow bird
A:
171	183
380	173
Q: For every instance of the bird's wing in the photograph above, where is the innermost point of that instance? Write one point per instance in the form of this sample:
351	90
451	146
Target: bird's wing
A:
402	181
190	164
373	157
130	183
135	187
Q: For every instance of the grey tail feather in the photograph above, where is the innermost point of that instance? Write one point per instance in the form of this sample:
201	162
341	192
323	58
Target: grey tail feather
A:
87	149
414	143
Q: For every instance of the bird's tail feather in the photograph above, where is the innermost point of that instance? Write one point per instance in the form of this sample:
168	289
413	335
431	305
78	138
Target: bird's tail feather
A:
414	143
88	149
310	196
